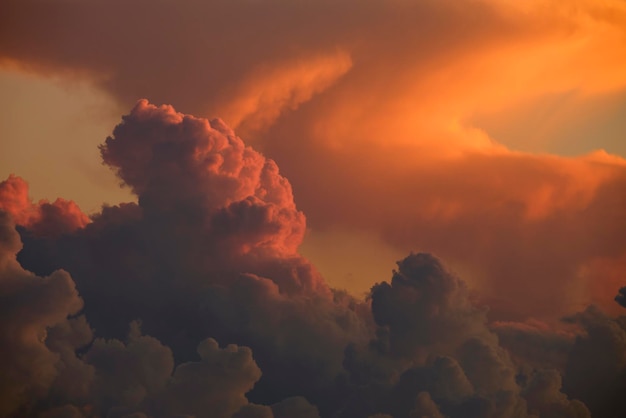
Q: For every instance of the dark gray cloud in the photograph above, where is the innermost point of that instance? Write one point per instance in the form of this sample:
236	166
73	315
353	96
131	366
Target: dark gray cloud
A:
208	251
621	297
436	355
228	320
596	366
31	307
534	344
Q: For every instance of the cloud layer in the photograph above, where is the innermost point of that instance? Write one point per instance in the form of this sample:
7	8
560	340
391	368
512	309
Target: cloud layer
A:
423	125
378	112
195	302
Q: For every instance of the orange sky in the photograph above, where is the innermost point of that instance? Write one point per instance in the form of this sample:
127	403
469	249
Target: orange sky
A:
468	129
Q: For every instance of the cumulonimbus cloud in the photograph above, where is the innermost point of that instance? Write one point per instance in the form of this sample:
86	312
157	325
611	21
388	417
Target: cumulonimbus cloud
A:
227	319
372	110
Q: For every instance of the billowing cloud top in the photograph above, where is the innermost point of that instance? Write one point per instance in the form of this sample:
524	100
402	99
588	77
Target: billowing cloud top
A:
175	163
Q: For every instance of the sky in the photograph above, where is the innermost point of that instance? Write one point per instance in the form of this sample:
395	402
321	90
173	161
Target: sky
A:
313	208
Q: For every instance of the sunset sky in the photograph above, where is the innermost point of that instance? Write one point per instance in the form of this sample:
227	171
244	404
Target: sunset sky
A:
276	159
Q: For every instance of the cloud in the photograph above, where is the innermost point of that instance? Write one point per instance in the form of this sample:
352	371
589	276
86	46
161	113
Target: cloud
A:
360	107
267	92
289	407
209	250
208	258
45	376
421	306
295	406
32	308
435	354
215	386
535	343
43	218
130	372
175	162
379	113
515	224
544	396
596	367
621	297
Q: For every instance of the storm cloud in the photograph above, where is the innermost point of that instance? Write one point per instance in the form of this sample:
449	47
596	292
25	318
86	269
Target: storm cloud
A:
381	115
195	301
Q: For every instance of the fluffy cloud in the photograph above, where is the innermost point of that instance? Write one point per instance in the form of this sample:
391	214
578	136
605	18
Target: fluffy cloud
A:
424	306
45	376
176	163
621	297
215	386
210	254
379	114
43	218
209	250
546	228
534	343
360	107
544	396
128	373
438	344
32	307
596	367
435	355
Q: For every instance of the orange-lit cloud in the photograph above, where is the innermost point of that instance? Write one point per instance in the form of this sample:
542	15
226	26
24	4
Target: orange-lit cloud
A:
376	107
428	126
267	92
43	218
210	253
525	230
